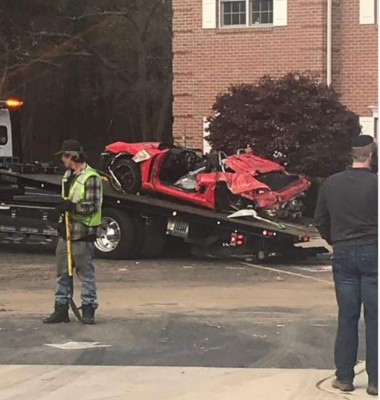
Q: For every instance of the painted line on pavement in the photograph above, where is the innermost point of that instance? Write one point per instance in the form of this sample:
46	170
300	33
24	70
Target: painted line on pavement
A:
315	270
280	271
77	345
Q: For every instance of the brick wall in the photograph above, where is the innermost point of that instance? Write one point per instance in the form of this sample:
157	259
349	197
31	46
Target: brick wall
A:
355	58
206	62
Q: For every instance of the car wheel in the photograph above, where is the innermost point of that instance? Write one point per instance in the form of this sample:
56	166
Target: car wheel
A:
128	173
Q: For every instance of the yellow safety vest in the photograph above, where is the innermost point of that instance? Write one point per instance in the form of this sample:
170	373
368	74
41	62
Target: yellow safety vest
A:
77	193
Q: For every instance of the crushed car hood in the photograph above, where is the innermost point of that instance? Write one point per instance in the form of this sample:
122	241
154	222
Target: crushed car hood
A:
132	148
237	183
251	164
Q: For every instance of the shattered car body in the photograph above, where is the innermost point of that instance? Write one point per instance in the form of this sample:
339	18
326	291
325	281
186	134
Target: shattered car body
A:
214	181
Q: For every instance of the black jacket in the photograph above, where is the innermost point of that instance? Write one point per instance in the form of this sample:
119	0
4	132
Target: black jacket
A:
347	208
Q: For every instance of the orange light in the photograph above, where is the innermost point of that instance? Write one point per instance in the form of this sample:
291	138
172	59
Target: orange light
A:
13	103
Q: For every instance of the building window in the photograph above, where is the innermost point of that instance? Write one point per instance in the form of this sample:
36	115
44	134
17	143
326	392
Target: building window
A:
262	12
246	12
234	13
3	135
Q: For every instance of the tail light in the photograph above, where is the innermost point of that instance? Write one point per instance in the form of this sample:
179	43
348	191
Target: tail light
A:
269	233
237	239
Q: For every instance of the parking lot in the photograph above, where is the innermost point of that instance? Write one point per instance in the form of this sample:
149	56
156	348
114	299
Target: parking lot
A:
172	329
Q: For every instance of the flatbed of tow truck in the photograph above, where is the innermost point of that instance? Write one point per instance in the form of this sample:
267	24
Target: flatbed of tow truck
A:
137	225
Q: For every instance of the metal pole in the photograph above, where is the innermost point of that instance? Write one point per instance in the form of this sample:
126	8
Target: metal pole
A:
70	267
329	42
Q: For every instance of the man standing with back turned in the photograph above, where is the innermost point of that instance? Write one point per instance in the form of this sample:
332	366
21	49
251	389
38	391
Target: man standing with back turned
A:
346	217
82	199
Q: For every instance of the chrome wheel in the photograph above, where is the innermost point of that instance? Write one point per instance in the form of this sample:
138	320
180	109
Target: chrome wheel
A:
110	235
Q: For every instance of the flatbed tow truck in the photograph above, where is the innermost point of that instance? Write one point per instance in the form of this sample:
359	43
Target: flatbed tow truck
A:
138	226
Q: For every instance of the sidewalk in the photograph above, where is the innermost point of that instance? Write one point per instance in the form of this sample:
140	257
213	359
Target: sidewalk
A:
170	383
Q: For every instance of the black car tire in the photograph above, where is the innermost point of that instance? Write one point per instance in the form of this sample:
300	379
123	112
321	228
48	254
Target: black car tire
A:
128	174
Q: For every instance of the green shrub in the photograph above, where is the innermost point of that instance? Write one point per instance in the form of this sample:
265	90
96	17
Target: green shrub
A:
294	120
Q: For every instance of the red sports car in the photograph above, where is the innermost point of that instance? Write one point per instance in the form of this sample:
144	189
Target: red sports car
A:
214	181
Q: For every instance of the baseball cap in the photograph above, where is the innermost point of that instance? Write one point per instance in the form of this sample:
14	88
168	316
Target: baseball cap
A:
70	146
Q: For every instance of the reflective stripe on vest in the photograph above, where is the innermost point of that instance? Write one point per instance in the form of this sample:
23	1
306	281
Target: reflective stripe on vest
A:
77	193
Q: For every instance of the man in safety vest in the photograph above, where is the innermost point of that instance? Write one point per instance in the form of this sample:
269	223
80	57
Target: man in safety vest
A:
82	199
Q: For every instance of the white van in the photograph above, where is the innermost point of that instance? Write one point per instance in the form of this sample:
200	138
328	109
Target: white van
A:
6	144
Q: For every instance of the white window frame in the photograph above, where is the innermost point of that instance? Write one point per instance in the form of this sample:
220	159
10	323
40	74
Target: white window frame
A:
375	114
206	145
250	10
248	17
221	25
367	125
368	11
209	18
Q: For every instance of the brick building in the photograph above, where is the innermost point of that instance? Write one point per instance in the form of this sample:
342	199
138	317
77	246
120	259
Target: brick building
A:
221	42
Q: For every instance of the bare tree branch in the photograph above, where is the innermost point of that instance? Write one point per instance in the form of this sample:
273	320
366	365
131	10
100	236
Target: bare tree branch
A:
148	18
50	63
5	70
99	14
50	34
105	62
79	54
57	51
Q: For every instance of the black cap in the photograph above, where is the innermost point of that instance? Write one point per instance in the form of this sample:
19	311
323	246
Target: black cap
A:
362	141
70	146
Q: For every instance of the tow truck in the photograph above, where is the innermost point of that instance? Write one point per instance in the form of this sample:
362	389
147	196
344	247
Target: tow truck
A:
134	226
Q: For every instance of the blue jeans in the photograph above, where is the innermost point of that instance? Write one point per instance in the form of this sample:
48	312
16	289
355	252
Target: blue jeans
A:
355	276
83	256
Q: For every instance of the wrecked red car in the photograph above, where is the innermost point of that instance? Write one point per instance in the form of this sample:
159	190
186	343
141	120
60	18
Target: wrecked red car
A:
214	181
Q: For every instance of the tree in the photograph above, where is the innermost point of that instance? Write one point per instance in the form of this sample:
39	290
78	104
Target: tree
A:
95	70
295	120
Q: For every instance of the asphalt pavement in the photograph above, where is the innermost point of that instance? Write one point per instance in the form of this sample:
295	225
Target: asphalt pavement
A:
172	329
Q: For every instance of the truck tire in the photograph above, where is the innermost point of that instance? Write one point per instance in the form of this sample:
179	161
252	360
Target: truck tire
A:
153	238
118	238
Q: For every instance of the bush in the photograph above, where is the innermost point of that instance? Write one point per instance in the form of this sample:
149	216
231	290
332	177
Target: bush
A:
294	120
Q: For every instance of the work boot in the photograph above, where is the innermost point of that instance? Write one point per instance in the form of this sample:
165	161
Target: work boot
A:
60	314
343	386
372	389
88	314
